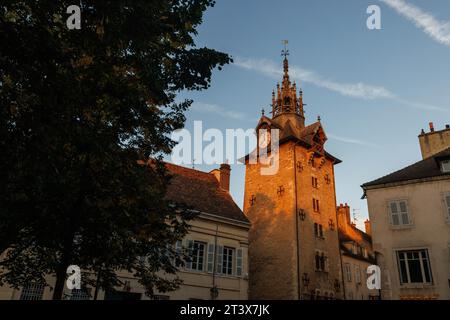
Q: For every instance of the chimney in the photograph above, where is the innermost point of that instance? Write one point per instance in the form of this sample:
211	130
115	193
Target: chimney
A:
434	141
224	176
343	215
368	227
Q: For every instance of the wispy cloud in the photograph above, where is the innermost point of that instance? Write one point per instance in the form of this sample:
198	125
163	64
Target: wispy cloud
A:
213	108
352	141
355	90
438	30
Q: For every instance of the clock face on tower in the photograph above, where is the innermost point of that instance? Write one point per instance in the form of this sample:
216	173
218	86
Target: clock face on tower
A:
264	137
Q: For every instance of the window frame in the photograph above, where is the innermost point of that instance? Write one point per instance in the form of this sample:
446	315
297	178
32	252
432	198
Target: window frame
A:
407	266
195	258
446	205
444	164
399	213
316	205
228	270
357	274
348	272
314	182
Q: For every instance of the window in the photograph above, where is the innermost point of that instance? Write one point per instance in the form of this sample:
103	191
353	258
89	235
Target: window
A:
317	260
445	166
399	213
33	291
447	205
357	274
321	261
316	205
354	248
227	264
414	266
314	182
318	230
197	249
348	272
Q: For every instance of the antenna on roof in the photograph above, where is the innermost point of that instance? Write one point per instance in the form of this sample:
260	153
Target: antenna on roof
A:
193	163
355	215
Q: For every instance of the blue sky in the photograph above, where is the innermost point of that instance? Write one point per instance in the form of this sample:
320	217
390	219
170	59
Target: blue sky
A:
374	89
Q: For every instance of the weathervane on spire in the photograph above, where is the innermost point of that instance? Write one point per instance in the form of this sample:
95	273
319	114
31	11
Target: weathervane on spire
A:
285	51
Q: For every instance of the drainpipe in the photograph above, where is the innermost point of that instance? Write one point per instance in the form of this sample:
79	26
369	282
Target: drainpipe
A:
296	224
337	230
214	290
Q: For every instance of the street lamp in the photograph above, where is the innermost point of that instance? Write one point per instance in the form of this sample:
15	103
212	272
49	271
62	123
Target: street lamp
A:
214	292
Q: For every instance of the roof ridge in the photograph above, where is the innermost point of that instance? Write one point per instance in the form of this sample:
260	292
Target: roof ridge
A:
425	161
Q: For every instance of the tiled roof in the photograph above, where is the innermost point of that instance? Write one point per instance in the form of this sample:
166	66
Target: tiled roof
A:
201	191
427	168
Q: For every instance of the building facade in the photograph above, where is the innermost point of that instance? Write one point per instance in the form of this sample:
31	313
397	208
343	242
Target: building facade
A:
410	215
217	243
294	247
357	255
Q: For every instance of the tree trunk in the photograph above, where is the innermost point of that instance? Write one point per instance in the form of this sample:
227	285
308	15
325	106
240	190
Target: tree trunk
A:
60	280
61	270
97	285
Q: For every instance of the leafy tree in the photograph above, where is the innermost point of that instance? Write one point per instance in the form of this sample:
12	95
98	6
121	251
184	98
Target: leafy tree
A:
78	110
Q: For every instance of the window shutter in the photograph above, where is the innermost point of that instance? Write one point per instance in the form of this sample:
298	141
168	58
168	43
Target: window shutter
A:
190	246
394	213
178	248
447	200
239	262
219	259
210	258
404	212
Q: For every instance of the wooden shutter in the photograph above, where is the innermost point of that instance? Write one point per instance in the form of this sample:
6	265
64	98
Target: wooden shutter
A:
395	220
190	251
239	262
447	202
404	212
219	261
210	267
178	252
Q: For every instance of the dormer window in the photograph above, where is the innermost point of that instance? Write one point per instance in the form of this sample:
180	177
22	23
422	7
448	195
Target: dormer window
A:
445	166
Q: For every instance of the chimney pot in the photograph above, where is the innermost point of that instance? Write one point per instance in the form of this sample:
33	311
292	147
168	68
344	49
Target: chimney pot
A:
368	227
225	170
447	126
431	127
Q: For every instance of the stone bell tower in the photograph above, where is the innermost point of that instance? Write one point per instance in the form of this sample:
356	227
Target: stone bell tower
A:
294	247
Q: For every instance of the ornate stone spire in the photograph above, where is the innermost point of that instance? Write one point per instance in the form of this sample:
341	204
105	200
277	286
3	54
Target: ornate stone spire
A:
286	100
